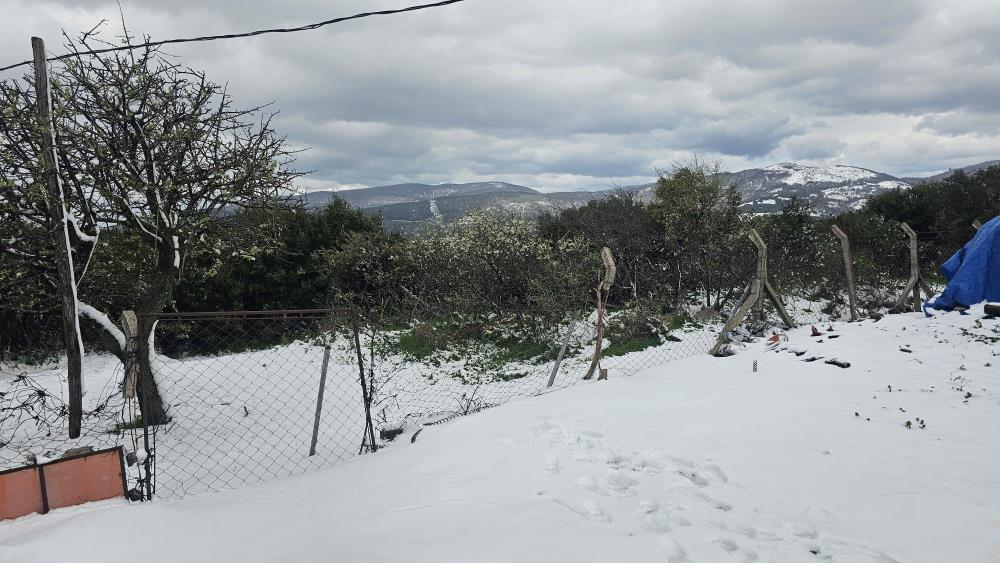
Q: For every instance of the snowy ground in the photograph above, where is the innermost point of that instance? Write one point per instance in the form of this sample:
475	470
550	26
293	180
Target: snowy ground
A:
700	460
247	417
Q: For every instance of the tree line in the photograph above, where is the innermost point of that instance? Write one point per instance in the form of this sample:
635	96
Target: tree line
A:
178	200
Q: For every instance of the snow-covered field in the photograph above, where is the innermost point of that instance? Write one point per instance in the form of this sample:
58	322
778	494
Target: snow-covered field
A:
247	417
700	460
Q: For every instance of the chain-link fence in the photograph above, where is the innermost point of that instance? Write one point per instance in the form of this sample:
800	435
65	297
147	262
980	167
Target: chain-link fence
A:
254	396
241	397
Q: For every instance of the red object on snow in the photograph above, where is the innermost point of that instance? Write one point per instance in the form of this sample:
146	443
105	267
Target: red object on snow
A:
816	332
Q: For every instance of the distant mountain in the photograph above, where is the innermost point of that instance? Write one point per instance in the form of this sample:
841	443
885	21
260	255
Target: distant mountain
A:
409	193
967	169
408	207
831	189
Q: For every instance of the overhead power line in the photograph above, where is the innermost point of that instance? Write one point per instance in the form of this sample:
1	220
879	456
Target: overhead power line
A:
238	35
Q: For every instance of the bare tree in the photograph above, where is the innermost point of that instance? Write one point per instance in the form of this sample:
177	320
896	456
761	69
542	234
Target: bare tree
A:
148	147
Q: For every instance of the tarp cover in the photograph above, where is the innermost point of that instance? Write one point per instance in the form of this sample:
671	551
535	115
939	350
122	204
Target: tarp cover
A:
973	273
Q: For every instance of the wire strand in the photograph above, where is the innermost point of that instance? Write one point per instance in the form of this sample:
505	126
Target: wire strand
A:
308	27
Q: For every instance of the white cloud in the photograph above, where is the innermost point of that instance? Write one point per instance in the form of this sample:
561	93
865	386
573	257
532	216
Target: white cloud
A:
567	94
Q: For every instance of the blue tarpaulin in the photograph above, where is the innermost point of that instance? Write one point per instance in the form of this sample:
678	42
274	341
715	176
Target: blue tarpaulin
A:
973	273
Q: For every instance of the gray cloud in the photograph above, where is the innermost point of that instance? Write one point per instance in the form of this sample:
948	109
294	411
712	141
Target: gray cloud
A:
576	93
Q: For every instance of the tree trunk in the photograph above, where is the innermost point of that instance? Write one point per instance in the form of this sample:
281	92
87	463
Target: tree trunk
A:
155	299
150	401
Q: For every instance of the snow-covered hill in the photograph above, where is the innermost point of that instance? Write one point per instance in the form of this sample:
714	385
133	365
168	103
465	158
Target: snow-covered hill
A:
704	460
831	189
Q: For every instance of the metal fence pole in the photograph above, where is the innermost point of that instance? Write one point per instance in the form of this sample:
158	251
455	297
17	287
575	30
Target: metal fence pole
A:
319	399
562	350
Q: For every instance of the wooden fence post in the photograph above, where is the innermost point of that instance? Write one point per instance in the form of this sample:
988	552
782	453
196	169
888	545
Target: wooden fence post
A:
759	288
916	282
60	239
845	245
768	289
610	269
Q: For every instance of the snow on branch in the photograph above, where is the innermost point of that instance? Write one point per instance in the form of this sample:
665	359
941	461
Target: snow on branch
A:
103	320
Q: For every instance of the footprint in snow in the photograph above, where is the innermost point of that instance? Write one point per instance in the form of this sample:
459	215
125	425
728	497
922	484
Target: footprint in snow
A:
587	508
551	464
717	504
615	484
594	510
620	483
672	551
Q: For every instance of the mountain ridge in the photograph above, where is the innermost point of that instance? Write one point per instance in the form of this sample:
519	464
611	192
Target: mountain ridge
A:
832	189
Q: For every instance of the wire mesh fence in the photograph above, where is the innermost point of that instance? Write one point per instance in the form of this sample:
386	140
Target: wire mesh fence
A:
254	396
442	368
34	419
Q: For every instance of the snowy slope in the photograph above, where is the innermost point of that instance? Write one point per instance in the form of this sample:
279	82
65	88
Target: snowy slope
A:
831	189
701	460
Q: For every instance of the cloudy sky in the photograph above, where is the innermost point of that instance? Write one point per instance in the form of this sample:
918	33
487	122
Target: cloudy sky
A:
577	94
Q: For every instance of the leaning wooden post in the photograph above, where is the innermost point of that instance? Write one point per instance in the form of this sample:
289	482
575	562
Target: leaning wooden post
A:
845	245
759	287
368	437
769	291
60	239
129	322
916	281
602	290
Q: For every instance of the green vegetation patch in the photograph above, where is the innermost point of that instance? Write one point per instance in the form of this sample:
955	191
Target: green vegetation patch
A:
628	344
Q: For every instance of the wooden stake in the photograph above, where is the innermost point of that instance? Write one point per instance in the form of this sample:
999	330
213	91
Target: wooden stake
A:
130	328
759	288
762	272
916	281
845	245
610	270
60	239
